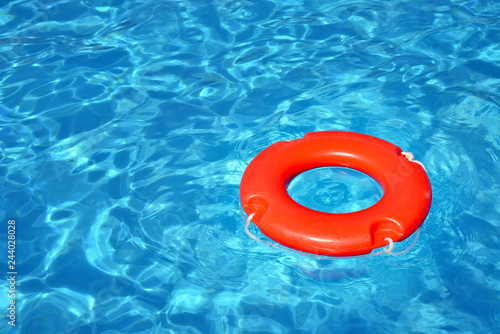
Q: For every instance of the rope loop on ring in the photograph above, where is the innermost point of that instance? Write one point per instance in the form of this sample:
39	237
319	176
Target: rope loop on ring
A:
409	156
388	250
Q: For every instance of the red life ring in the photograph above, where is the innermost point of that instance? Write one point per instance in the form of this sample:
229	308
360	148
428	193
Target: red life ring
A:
398	214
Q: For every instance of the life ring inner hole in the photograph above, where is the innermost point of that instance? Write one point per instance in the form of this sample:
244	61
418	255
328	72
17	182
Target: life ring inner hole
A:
335	190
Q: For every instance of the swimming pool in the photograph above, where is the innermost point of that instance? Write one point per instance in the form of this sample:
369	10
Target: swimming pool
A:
126	127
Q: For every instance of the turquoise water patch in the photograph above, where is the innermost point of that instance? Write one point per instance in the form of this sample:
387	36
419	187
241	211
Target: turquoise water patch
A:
126	126
335	190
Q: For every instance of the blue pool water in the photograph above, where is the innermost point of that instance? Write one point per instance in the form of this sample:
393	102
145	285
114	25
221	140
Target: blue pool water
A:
126	125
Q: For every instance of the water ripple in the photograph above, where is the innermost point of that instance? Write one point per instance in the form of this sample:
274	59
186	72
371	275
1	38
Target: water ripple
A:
125	128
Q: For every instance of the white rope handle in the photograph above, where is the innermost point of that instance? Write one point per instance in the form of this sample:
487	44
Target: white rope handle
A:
248	222
388	250
409	156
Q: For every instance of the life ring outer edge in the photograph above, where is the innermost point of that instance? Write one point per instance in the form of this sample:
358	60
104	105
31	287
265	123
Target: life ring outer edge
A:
263	192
